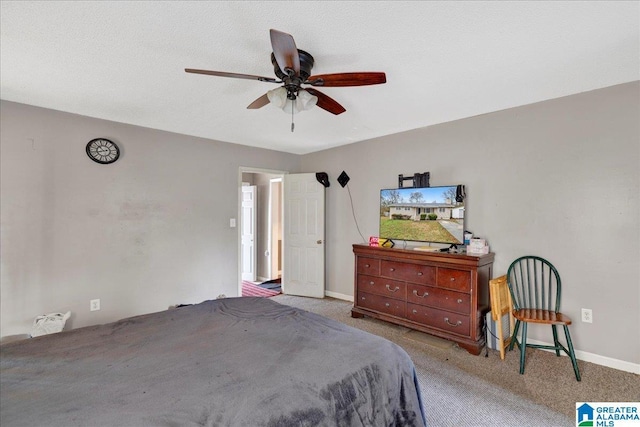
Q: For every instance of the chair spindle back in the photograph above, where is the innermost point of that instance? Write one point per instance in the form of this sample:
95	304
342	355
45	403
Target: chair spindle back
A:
534	284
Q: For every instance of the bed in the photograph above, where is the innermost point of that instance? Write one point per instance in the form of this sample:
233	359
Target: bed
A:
227	362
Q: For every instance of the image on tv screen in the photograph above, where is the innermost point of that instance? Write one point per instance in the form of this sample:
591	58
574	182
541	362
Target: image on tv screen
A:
429	214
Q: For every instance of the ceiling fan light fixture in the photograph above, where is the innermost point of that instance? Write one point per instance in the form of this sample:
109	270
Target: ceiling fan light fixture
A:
305	100
279	98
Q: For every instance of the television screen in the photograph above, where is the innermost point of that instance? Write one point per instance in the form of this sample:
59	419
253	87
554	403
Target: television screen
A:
429	214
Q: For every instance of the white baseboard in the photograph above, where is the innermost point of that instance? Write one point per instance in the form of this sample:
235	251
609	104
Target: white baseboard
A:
609	362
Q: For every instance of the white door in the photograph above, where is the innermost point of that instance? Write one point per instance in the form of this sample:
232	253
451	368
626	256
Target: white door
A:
303	237
247	232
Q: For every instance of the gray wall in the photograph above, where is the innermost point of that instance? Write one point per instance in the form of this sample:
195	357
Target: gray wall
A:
559	179
146	232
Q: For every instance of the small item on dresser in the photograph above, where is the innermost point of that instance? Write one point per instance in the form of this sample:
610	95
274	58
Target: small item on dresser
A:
467	237
478	246
477	242
373	241
386	243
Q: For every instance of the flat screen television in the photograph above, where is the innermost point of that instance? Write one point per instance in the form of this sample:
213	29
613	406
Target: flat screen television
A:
430	214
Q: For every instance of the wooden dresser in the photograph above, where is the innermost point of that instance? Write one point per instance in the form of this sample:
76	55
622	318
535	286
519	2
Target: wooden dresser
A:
446	295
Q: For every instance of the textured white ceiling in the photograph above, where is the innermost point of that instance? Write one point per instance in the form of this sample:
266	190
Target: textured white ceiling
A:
125	61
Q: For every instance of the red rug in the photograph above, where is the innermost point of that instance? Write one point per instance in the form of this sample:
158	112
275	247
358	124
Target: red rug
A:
251	290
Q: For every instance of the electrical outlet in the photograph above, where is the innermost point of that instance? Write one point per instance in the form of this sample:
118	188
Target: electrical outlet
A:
94	305
587	315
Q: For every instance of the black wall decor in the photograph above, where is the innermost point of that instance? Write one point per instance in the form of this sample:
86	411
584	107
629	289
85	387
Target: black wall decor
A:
323	178
343	179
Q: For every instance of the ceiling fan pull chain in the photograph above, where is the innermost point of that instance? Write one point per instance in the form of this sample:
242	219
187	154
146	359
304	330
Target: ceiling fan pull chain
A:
292	125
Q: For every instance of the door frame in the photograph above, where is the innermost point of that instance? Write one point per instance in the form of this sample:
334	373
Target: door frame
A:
270	242
241	170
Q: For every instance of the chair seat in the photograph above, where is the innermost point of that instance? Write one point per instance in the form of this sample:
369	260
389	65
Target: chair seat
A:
546	317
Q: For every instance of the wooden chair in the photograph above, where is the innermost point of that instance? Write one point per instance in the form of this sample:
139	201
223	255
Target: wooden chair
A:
500	306
535	289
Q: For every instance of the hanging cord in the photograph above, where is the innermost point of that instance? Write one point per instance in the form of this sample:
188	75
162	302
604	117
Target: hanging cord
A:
354	214
486	332
292	125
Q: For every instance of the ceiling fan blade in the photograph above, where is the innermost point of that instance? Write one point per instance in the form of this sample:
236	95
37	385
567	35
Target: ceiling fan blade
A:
234	75
259	103
347	79
325	102
285	51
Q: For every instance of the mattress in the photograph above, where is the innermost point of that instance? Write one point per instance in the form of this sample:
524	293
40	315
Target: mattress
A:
228	362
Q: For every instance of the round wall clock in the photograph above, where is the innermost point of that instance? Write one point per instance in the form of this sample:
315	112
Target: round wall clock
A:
103	151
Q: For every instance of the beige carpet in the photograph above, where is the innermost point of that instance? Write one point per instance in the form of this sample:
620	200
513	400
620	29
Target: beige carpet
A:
461	390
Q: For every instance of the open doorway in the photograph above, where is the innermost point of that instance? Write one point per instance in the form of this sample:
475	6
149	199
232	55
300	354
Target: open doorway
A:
275	228
260	257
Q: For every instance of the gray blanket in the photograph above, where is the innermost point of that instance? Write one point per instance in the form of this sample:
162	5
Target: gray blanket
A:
229	362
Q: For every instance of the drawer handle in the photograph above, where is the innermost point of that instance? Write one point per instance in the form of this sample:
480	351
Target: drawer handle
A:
458	323
393	290
392	269
372	283
415	292
362	298
453	279
386	304
367	265
459	301
415	311
419	273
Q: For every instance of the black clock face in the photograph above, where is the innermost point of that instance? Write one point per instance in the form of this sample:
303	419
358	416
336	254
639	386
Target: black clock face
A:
103	151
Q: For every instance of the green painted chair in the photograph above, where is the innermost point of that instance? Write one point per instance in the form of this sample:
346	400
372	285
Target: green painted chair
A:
535	289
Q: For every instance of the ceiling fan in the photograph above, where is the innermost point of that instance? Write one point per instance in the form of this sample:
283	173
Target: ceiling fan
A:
292	67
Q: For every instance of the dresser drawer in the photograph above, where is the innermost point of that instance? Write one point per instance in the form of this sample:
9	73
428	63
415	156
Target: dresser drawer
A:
459	280
382	286
445	320
439	298
415	273
368	266
382	304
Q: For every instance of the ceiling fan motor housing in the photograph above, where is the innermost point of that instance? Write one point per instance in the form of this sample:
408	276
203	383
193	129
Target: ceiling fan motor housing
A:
292	83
